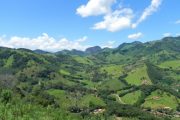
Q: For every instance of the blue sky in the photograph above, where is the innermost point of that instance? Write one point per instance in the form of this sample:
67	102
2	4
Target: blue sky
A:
77	24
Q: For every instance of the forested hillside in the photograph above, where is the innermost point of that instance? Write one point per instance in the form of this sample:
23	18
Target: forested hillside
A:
131	82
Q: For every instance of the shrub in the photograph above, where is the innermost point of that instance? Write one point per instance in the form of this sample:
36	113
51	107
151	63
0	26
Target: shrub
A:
6	96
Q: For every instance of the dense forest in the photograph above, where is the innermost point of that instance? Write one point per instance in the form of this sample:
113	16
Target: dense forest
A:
135	81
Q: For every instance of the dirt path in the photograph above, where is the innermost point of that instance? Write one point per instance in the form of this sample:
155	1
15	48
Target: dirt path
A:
120	100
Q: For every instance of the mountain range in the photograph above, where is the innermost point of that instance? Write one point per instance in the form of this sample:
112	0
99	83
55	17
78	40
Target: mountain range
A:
131	82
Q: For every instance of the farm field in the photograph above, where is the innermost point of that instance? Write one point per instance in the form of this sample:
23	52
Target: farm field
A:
132	97
160	99
138	76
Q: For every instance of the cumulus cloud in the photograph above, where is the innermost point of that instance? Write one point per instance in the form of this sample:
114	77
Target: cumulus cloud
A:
109	44
43	42
167	34
115	20
177	34
83	39
148	11
118	20
177	22
135	36
95	7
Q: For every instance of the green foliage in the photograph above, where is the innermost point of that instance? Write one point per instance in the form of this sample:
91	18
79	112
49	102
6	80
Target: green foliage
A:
63	72
174	64
157	75
5	96
138	76
122	110
20	111
112	85
160	99
114	70
103	84
132	97
91	101
9	61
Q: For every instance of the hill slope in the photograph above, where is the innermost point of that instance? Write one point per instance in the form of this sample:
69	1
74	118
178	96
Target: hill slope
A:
133	81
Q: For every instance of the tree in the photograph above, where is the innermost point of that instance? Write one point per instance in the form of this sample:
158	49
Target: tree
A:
6	96
7	81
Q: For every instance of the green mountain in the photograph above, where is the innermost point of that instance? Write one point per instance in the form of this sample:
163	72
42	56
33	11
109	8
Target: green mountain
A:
93	50
131	82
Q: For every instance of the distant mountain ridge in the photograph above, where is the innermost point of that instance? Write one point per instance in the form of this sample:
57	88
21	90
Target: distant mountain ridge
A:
123	46
135	80
38	51
170	44
93	50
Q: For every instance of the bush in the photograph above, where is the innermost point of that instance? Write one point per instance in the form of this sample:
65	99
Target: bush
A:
6	96
122	110
178	108
74	109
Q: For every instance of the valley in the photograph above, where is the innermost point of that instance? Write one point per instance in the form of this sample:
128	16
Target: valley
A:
135	81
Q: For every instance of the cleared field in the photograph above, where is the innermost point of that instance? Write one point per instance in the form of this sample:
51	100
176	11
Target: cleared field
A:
138	76
9	61
64	72
160	99
115	57
131	98
63	98
175	64
57	93
112	85
88	100
83	60
89	84
175	76
66	100
114	70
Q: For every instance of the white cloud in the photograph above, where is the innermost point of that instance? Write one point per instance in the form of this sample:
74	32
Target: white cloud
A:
95	7
43	42
109	44
166	34
118	20
148	11
115	20
177	22
135	36
83	39
177	34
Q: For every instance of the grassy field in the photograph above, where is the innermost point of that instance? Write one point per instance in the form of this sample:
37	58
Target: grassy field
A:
159	99
9	61
131	98
86	100
122	91
175	64
57	93
64	72
64	99
175	76
114	70
89	84
83	60
112	85
24	111
138	76
115	57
